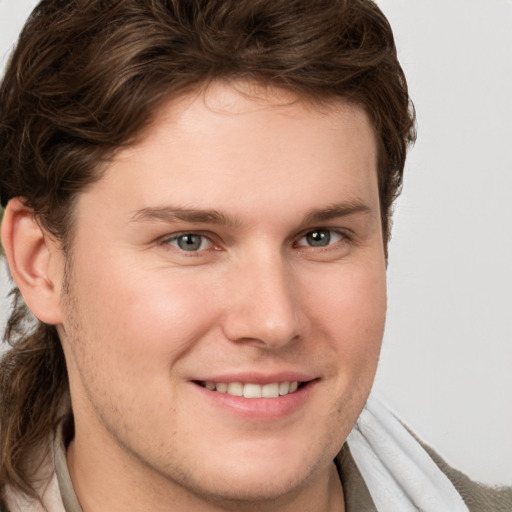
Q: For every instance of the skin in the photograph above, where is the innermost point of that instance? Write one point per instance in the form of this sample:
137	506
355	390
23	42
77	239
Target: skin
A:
141	320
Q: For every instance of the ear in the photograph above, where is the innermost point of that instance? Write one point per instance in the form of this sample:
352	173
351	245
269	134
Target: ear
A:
35	261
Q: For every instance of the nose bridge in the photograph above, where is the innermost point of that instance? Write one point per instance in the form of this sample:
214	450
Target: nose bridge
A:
265	304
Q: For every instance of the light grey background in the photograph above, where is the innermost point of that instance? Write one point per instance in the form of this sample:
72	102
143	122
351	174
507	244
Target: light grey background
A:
446	365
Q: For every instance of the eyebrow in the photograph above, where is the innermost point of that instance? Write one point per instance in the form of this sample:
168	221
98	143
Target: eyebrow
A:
337	210
171	214
193	215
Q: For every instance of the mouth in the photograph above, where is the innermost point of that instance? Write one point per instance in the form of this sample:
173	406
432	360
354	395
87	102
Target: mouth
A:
253	390
258	397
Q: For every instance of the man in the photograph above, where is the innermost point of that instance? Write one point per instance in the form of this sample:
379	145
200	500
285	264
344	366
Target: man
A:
197	203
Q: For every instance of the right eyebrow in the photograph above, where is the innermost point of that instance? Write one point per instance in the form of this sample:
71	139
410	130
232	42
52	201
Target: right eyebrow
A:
171	214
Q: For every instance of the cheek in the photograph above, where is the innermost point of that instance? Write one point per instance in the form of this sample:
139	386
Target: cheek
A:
143	315
350	307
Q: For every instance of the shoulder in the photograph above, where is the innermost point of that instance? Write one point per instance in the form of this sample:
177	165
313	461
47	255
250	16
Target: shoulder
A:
478	497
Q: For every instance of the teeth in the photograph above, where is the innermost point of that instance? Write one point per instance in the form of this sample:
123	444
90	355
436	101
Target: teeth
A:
270	390
235	389
284	388
222	387
250	390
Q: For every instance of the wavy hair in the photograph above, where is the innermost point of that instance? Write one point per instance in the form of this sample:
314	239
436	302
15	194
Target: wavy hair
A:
87	76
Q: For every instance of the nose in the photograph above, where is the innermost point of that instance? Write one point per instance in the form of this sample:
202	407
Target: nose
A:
264	307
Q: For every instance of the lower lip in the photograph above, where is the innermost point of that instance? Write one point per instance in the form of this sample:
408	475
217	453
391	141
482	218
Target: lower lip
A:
259	408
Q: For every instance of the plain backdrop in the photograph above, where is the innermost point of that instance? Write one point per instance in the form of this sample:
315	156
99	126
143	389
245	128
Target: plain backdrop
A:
446	365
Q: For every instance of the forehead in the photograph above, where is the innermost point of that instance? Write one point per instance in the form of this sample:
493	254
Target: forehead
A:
219	108
236	146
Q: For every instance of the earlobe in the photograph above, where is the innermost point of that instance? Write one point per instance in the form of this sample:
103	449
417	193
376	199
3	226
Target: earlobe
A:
28	250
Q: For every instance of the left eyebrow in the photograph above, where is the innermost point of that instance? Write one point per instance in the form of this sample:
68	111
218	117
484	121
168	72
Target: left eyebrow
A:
337	210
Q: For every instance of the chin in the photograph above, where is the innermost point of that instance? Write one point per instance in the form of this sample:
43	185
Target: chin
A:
258	484
262	472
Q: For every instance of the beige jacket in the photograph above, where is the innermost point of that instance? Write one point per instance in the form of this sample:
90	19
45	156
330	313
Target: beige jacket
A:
478	498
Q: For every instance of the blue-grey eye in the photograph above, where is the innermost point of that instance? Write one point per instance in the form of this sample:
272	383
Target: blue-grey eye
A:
320	238
190	242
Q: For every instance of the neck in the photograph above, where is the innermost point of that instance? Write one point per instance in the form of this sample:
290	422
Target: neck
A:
102	487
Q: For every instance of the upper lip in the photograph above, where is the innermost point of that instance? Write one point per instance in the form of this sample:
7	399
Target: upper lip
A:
258	378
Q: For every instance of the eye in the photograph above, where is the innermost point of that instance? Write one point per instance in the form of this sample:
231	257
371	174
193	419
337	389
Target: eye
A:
190	242
320	238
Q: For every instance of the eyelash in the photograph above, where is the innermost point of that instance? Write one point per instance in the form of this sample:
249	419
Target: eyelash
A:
175	238
340	235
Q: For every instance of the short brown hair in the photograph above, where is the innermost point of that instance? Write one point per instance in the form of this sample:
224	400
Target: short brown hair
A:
88	75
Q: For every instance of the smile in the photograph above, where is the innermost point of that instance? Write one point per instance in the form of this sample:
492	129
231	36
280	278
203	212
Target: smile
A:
250	390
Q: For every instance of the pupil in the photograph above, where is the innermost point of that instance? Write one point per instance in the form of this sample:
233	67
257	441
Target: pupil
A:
189	242
318	238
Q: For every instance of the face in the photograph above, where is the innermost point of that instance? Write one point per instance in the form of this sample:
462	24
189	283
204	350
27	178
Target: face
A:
226	296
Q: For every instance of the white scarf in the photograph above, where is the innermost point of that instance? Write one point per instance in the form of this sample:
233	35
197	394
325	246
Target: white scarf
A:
400	475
